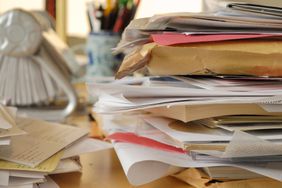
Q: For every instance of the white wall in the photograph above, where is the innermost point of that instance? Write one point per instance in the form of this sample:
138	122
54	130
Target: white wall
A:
24	4
77	21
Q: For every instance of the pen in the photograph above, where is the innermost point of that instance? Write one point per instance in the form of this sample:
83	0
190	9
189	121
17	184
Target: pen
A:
99	15
122	14
108	8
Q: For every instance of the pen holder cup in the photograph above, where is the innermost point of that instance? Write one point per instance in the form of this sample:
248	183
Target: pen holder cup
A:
101	61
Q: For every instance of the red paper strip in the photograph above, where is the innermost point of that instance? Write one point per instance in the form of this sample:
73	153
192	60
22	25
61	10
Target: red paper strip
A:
135	139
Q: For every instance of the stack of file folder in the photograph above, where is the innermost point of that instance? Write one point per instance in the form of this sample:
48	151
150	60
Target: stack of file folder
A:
210	110
32	149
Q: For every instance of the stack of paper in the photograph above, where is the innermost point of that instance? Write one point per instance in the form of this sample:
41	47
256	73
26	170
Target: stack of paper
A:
44	148
212	104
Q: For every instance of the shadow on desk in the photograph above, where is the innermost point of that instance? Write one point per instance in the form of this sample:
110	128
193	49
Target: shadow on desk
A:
102	169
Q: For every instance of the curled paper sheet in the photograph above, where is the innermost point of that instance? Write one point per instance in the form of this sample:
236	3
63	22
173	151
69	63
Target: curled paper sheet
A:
139	165
243	145
143	165
246	145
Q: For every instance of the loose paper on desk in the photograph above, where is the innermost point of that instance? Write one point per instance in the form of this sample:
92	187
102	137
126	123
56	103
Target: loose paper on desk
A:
42	141
139	170
142	164
67	165
4	178
27	174
48	165
85	145
14	131
49	183
20	186
16	181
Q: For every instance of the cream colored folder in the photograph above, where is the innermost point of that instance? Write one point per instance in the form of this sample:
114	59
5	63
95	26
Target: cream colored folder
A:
195	112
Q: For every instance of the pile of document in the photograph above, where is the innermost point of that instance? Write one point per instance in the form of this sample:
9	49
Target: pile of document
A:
32	149
210	112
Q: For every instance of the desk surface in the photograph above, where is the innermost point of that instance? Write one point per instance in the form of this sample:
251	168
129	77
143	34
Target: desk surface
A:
102	169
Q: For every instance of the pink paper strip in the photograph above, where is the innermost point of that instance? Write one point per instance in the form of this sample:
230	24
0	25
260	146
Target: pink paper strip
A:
135	139
167	39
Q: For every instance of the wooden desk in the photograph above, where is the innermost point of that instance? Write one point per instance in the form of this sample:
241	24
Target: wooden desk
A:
102	169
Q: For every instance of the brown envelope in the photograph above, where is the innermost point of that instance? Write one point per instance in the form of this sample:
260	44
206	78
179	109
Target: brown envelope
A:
241	57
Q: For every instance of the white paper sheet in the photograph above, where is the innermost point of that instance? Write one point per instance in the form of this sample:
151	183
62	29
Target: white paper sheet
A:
167	91
190	132
232	85
49	183
5	141
137	170
67	165
194	132
118	103
85	145
134	124
13	131
42	141
17	181
4	177
247	145
27	174
251	127
142	164
19	186
114	97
